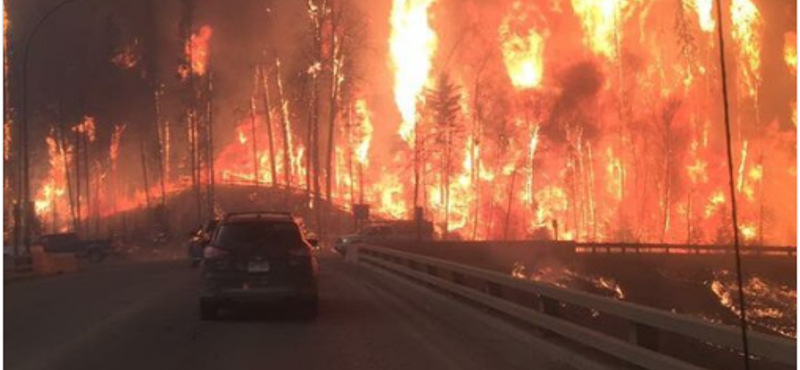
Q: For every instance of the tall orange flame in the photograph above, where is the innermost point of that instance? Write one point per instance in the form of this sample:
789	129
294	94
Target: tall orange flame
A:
601	21
197	53
747	24
412	44
705	14
522	36
364	132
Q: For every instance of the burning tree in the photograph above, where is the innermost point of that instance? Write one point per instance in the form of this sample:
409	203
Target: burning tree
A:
443	104
593	120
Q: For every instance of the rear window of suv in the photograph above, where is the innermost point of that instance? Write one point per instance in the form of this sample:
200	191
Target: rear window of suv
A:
245	235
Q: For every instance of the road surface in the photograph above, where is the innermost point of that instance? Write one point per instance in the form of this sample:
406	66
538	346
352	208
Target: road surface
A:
145	316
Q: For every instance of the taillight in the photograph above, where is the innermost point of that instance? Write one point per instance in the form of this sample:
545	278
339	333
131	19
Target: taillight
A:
214	253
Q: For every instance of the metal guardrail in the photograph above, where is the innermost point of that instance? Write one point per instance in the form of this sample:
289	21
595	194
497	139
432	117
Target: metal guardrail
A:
645	323
681	249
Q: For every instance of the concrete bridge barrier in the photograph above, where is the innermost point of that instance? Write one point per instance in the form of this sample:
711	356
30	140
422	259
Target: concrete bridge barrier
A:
649	339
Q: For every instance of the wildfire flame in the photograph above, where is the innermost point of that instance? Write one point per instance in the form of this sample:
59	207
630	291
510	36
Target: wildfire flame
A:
87	128
579	143
51	194
127	58
601	20
705	14
790	51
197	52
790	57
116	139
522	36
746	23
365	132
412	44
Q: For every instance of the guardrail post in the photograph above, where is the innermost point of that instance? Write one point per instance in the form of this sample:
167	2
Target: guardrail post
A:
351	254
550	306
432	270
494	289
643	336
458	278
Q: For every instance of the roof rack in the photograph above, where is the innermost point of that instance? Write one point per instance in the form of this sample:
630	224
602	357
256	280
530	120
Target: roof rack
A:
259	213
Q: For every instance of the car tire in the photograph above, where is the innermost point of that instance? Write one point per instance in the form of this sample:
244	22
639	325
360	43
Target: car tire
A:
309	309
208	311
95	256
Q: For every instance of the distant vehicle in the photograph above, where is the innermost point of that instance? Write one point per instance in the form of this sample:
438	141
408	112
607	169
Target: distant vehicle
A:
390	231
259	257
93	250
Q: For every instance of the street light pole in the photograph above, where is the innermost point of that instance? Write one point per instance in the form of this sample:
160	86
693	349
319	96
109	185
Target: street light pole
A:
24	214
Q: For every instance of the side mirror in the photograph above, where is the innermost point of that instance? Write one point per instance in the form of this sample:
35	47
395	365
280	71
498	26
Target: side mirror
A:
314	243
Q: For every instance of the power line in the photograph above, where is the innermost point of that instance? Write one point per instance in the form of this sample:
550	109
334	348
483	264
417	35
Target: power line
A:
734	215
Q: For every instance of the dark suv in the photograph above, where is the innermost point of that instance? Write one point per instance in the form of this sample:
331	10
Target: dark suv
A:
259	257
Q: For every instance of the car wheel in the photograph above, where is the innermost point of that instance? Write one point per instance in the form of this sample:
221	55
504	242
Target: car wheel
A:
96	256
208	310
309	309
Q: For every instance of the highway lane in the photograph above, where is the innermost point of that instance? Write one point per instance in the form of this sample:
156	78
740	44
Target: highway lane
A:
145	317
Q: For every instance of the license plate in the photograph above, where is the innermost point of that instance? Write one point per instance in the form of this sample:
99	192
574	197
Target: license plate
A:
258	267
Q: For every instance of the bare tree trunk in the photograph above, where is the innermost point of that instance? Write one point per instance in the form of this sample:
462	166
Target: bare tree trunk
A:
417	164
193	153
88	181
161	138
333	100
210	145
285	128
447	152
314	134
350	145
310	140
476	140
144	174
667	191
78	189
268	119
510	202
62	140
254	140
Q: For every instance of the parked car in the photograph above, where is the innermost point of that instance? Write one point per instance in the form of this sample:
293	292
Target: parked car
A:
259	257
93	250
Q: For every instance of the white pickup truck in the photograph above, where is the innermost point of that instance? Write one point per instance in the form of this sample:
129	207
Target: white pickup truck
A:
384	232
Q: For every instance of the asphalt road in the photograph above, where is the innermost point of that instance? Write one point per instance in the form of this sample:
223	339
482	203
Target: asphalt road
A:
145	316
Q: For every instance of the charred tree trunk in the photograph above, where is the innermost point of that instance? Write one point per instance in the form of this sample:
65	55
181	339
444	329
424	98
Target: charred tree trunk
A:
161	144
417	165
350	145
254	139
210	145
144	174
314	132
192	133
62	141
268	119
447	169
78	189
88	181
285	129
510	202
333	99
310	140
